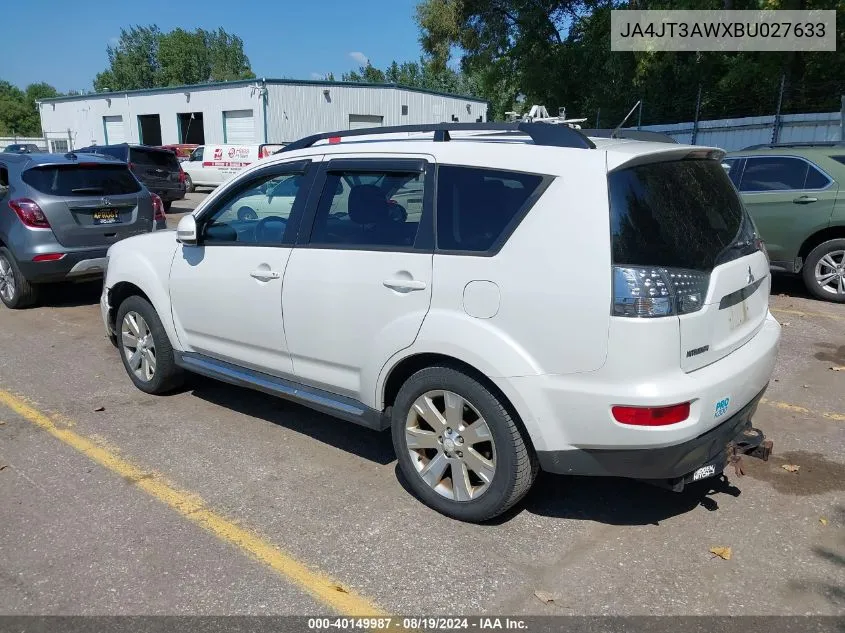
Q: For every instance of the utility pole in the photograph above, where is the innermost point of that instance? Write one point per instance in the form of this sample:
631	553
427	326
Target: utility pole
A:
598	113
697	110
640	115
776	123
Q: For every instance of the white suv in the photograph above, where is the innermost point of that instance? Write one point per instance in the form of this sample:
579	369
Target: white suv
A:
506	299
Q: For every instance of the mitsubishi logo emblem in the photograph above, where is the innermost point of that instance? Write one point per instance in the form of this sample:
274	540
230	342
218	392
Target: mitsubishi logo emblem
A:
750	276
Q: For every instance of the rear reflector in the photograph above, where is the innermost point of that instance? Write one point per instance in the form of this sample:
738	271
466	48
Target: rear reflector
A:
48	257
651	416
29	213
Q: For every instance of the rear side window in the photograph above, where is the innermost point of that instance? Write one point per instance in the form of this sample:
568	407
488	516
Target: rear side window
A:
478	208
839	159
82	180
773	173
678	214
148	158
115	152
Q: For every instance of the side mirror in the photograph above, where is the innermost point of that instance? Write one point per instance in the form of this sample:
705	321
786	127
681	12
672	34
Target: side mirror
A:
186	231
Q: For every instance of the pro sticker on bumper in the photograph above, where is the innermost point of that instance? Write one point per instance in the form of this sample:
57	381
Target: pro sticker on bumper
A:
722	407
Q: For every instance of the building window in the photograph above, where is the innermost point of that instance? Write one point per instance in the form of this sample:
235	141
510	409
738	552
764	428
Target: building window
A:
404	110
58	146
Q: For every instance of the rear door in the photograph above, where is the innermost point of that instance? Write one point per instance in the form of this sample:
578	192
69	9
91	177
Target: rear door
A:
684	243
157	169
358	286
789	199
90	204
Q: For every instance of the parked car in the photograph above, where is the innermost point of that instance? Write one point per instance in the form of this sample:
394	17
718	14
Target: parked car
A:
182	150
58	216
212	165
156	168
590	307
22	148
796	195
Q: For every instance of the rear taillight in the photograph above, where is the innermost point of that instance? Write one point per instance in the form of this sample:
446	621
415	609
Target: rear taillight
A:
651	416
181	175
158	207
131	166
29	213
645	291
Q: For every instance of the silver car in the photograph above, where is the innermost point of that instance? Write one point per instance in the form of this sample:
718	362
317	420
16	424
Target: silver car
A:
58	216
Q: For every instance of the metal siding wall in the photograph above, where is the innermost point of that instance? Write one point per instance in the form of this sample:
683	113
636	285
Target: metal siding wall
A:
84	117
736	134
294	111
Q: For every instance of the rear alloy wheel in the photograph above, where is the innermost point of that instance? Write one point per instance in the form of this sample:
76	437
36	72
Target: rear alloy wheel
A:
144	347
189	184
458	446
15	291
824	271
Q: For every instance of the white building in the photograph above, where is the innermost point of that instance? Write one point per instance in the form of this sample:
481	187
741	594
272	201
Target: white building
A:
250	111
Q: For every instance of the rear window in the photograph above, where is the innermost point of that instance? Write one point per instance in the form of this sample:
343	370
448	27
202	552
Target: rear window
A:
478	208
165	160
678	214
82	180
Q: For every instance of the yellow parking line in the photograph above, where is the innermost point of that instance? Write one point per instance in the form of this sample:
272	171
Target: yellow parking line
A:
801	313
195	509
794	408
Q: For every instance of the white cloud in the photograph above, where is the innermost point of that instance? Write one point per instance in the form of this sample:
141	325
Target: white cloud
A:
359	57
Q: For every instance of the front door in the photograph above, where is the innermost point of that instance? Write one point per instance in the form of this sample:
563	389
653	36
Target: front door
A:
358	286
226	292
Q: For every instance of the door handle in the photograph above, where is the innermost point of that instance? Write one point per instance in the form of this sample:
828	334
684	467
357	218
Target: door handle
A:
805	200
264	275
404	285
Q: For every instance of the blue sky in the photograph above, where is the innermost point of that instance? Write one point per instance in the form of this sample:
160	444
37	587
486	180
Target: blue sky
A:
282	38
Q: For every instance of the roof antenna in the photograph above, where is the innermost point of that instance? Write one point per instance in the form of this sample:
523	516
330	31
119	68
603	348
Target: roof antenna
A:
627	116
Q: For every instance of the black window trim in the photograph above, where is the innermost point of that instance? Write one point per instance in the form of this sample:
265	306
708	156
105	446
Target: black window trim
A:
424	241
305	167
830	179
511	226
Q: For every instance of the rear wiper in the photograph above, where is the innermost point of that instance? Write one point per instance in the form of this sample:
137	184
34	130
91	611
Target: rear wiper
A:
88	190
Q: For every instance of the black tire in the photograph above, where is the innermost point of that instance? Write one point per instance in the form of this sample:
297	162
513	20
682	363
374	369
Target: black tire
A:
189	184
516	463
25	294
809	270
167	206
167	376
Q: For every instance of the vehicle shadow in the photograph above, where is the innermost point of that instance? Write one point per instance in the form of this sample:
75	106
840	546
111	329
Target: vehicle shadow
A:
70	295
608	500
368	444
791	285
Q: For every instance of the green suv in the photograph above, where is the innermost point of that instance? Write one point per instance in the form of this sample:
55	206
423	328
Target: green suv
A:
796	195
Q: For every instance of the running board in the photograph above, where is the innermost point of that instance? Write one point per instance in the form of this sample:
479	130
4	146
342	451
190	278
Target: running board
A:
332	404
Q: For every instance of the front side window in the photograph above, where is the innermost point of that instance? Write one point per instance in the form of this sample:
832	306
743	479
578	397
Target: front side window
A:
256	212
477	207
773	173
369	209
197	155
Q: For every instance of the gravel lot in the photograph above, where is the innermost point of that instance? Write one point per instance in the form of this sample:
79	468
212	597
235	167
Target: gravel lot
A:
78	537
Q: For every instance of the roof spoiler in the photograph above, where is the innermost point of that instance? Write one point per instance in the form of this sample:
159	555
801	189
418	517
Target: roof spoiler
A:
632	135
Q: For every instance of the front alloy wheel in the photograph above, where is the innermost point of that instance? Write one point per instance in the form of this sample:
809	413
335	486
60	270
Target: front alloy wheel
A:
138	346
830	273
450	445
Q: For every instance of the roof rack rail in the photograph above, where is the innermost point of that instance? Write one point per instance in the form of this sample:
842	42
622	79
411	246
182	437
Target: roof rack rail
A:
632	135
540	133
796	144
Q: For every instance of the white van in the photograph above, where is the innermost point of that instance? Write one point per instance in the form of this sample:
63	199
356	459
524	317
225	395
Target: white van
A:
212	165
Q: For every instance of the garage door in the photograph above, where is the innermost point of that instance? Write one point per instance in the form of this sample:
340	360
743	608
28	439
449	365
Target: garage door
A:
114	129
358	121
238	127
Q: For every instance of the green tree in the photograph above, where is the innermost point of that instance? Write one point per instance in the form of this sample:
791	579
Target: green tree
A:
19	110
145	57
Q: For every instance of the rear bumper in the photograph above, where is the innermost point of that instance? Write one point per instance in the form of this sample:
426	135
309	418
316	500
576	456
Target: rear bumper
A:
89	263
669	462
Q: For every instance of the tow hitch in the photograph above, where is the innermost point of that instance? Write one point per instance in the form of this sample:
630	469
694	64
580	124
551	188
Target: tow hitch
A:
751	442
